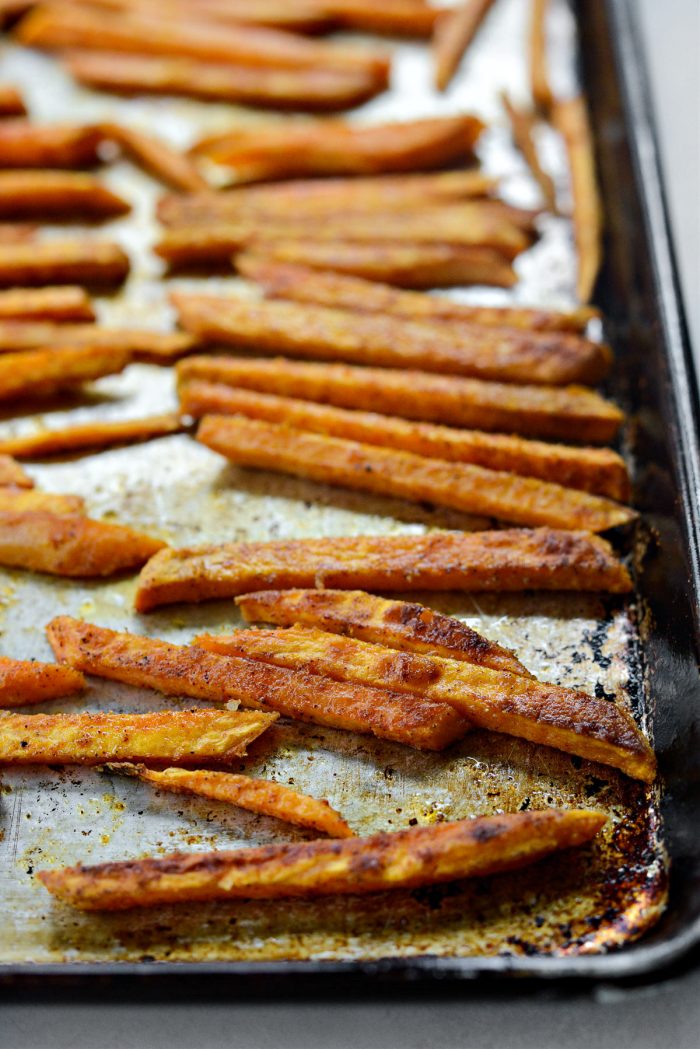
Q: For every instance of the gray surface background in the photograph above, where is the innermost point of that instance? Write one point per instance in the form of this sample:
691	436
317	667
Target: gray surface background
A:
666	1016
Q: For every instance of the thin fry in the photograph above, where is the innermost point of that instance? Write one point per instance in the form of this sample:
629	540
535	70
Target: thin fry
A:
405	859
89	262
57	195
453	33
23	681
522	127
157	157
46	304
12	475
20	501
503	560
539	67
90	436
155	347
11	101
42	373
26	145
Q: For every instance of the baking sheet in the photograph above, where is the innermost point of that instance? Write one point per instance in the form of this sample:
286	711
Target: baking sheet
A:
184	493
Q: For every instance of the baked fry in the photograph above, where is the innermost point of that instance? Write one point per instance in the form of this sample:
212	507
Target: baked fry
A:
303	284
89	437
321	333
188	737
312	90
503	560
453	32
404	859
393	17
12	475
13	500
571	120
57	195
522	127
256	795
23	681
178	670
46	304
11	101
27	145
564	718
157	157
155	347
90	262
42	373
303	16
396	624
539	67
570	413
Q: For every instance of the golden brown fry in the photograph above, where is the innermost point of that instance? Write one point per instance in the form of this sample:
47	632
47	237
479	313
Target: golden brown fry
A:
522	127
145	344
157	157
57	195
11	101
42	373
504	560
89	436
405	859
453	33
46	304
313	90
404	475
186	670
186	737
26	145
303	284
21	501
23	681
570	412
406	265
89	262
564	718
303	16
571	120
393	17
597	470
396	624
255	795
321	333
12	475
539	67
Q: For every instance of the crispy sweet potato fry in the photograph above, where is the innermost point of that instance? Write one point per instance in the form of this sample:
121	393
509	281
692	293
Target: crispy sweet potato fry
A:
564	718
321	333
46	304
145	344
255	795
89	262
22	681
26	145
11	101
539	67
178	670
89	436
571	412
157	157
186	737
42	373
57	195
303	16
453	32
405	859
12	475
522	128
312	90
504	560
393	17
303	284
396	624
13	500
571	120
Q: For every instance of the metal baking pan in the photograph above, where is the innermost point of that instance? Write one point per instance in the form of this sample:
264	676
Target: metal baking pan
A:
648	651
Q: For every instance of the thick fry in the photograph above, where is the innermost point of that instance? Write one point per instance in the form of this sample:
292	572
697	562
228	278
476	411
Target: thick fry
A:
303	284
406	859
89	436
255	795
453	33
89	262
571	120
396	624
11	101
157	157
42	373
504	560
312	90
321	333
156	347
572	412
539	67
25	145
564	718
188	737
393	17
23	681
21	501
46	304
522	127
57	195
302	16
177	669
12	475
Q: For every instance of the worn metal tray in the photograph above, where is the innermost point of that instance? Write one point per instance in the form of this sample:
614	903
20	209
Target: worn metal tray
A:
551	922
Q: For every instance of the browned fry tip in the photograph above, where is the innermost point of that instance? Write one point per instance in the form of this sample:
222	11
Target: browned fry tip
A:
25	681
453	33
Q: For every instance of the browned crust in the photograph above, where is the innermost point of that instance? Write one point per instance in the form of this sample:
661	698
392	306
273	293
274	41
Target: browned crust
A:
57	195
41	373
12	474
522	127
157	157
46	304
89	436
504	560
27	145
11	101
155	347
405	859
25	681
453	33
394	17
89	262
539	67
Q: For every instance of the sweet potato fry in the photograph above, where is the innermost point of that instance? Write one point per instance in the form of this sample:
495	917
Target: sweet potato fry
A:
20	501
255	795
57	195
22	681
312	90
405	265
563	718
504	560
46	304
26	145
321	333
393	17
396	624
303	284
571	120
385	471
187	670
186	737
157	157
453	32
539	67
597	470
405	859
12	475
303	16
11	101
145	344
42	373
571	412
89	436
522	128
89	262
